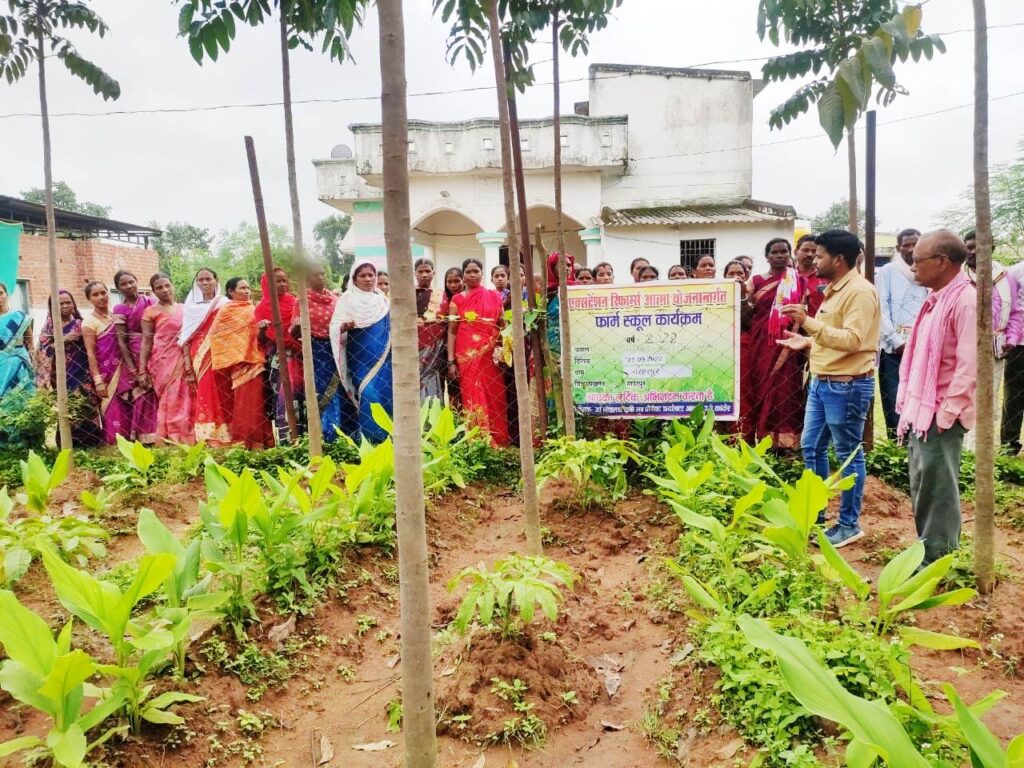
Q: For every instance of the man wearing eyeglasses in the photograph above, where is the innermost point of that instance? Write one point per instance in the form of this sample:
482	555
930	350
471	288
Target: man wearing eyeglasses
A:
843	341
937	389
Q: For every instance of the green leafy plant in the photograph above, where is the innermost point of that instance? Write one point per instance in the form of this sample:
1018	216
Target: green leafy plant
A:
75	537
876	731
728	547
393	712
137	468
39	482
524	727
371	493
512	591
46	674
441	438
231	501
905	586
100	503
188	594
596	468
140	645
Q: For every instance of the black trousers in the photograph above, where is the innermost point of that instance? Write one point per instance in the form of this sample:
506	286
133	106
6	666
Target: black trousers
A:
1013	402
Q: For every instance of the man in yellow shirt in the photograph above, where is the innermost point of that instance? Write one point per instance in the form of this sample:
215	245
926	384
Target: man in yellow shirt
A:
843	340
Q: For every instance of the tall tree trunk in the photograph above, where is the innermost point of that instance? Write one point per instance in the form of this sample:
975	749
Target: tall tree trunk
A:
414	585
63	419
539	332
563	292
851	158
984	494
268	270
530	506
309	385
549	363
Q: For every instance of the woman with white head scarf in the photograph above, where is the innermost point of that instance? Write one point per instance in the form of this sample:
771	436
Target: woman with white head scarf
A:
211	393
361	339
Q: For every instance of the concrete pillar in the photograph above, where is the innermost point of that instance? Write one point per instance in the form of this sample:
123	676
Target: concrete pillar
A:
592	239
491	242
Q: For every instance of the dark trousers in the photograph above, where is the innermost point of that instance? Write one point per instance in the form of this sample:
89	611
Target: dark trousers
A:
934	488
888	385
1013	404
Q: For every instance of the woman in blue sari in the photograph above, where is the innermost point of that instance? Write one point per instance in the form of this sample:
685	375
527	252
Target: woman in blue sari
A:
361	340
16	373
325	370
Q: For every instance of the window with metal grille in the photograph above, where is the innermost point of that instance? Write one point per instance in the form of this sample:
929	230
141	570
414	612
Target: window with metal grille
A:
690	252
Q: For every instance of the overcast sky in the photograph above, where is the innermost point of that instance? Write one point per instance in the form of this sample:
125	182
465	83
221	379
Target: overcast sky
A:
191	165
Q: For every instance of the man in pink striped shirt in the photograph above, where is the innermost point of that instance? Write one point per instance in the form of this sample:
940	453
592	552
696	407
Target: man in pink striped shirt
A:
937	389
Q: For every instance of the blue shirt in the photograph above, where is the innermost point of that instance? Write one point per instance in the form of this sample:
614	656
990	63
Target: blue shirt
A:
900	300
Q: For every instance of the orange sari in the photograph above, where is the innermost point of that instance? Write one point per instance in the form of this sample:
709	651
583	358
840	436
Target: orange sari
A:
235	351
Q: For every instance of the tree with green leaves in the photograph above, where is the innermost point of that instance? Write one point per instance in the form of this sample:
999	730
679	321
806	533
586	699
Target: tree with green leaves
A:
836	217
65	199
418	717
33	30
849	48
210	26
1006	191
328	233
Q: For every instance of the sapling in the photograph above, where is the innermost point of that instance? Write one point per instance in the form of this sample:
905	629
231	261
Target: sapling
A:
45	673
188	595
512	591
596	468
39	482
141	645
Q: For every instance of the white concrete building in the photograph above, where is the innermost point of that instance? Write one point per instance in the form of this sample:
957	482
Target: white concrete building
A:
657	164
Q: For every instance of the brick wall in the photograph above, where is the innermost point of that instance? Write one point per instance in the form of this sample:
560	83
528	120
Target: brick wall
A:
79	261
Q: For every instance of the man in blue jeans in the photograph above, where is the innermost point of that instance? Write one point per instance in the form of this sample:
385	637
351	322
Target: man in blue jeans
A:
900	297
842	339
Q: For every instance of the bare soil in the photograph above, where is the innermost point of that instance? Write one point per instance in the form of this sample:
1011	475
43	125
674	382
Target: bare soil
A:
610	635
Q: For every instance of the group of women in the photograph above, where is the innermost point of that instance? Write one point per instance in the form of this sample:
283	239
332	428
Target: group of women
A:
210	368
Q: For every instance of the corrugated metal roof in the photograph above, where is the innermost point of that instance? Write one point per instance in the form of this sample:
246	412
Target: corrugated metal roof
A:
743	212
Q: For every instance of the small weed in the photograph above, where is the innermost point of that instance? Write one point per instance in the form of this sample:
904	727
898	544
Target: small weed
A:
346	673
364	623
569	698
382	636
663	736
249	724
393	710
525	728
549	637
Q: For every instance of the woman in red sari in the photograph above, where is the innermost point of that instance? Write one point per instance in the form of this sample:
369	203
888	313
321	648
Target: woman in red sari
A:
211	389
291	355
473	335
235	350
774	376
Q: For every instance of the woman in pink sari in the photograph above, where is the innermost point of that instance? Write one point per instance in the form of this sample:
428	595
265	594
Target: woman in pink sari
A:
164	363
774	376
127	317
105	364
472	337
